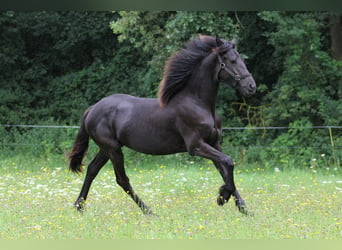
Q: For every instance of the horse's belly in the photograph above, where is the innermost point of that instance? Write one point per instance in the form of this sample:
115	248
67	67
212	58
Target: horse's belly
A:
154	143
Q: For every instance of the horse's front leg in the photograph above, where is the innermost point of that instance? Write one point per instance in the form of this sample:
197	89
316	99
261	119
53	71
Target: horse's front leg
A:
225	166
240	203
222	199
223	163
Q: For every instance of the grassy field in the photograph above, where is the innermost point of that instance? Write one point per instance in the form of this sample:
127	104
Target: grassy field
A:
37	195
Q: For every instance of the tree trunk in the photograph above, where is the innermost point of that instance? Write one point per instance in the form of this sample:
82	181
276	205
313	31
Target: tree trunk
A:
335	21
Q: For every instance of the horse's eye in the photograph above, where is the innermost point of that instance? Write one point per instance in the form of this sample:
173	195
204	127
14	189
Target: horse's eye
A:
232	61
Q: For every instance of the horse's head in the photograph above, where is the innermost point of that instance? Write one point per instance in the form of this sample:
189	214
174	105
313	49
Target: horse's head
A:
232	70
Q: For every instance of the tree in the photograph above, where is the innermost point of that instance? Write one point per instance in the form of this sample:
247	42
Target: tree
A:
161	33
38	49
309	82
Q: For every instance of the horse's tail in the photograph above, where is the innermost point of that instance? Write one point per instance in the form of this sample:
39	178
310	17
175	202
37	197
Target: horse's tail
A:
80	147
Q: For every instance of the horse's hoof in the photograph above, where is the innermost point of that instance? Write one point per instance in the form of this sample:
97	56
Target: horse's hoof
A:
224	195
79	208
148	212
221	201
151	213
243	209
79	205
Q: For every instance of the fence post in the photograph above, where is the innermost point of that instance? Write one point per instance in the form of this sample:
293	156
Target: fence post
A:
336	161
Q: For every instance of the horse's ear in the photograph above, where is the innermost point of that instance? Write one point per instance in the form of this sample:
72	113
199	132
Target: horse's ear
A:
218	41
233	42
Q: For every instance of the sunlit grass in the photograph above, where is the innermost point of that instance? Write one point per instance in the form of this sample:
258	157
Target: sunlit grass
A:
36	202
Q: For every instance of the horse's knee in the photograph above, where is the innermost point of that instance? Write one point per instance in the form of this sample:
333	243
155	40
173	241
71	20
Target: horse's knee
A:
226	160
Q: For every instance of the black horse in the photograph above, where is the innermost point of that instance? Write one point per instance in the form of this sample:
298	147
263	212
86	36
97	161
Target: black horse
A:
181	119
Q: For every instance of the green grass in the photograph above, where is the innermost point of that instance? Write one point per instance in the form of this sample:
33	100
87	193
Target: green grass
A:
37	195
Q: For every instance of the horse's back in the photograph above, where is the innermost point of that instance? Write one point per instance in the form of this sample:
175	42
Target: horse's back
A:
138	123
115	110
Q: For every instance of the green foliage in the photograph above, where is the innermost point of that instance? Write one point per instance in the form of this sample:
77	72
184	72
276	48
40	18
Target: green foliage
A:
308	91
146	31
161	33
121	74
291	149
42	46
310	79
55	64
35	142
185	25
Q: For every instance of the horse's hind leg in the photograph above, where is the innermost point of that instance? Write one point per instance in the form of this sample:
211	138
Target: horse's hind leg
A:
117	159
93	169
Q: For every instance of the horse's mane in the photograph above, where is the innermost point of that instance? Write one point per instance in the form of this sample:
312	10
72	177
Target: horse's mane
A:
180	66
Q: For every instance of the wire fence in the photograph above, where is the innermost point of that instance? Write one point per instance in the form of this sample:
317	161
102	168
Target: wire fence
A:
240	143
38	126
224	129
267	128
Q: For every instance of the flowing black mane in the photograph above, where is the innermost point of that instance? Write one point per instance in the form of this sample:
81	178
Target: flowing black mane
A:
180	66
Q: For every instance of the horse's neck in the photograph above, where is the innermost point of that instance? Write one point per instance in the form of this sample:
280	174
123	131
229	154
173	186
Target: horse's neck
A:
203	87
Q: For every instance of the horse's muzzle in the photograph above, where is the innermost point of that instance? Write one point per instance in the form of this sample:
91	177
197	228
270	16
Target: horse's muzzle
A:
248	87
